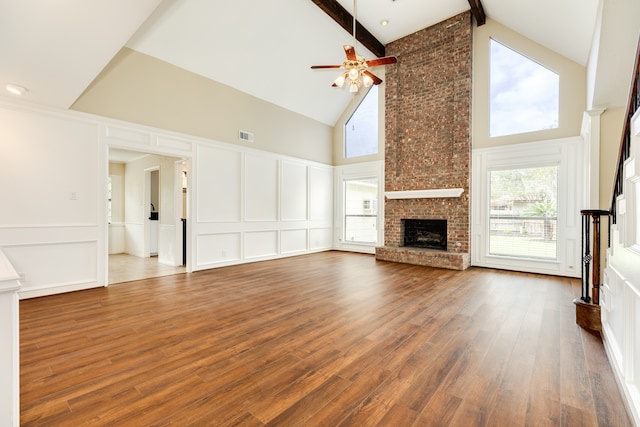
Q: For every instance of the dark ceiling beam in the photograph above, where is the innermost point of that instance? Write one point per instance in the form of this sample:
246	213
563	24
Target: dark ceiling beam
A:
478	12
345	20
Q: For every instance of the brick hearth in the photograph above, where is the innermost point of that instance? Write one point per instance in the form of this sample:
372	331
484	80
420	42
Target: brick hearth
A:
427	138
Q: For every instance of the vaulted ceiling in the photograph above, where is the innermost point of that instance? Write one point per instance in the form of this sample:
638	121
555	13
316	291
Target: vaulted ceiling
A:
264	48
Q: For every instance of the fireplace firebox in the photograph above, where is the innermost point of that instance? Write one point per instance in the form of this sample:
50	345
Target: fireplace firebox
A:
425	233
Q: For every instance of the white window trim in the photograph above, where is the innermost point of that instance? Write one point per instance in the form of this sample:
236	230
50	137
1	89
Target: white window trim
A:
567	154
373	169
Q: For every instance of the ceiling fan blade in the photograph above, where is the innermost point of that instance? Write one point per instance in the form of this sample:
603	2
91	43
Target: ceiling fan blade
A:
350	51
381	61
325	66
376	80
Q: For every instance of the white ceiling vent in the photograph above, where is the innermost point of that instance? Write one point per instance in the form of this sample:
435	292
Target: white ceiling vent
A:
246	136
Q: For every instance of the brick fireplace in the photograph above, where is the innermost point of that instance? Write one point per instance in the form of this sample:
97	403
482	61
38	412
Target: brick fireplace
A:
427	141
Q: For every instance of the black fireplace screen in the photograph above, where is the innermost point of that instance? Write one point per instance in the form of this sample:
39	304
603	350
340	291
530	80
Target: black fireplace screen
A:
425	233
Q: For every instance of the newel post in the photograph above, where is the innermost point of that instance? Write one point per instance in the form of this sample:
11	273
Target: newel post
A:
587	306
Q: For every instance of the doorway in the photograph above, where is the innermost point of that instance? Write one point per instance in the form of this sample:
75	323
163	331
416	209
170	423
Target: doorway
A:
146	211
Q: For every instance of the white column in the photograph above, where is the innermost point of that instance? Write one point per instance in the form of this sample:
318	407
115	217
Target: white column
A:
10	345
591	135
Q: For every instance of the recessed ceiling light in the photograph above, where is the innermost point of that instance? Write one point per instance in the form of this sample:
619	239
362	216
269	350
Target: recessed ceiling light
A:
384	22
15	89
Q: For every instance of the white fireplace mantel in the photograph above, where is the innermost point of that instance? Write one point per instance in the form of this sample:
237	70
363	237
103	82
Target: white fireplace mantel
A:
424	194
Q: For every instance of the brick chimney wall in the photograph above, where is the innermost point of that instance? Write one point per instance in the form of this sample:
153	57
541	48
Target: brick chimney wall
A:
427	136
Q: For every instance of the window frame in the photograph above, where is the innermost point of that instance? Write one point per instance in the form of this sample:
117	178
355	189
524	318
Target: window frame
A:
490	82
567	153
345	151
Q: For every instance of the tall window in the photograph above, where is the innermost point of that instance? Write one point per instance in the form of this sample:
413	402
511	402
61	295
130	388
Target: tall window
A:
524	95
360	210
523	214
361	130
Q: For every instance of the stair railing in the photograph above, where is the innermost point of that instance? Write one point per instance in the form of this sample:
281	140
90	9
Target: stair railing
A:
625	144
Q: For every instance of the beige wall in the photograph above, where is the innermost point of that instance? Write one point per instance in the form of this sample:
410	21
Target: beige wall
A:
141	89
572	86
116	172
116	168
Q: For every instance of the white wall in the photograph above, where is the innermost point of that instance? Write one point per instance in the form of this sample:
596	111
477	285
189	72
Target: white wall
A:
254	205
244	204
620	293
137	207
52	226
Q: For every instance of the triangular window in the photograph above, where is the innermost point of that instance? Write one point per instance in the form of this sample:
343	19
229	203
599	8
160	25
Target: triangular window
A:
361	130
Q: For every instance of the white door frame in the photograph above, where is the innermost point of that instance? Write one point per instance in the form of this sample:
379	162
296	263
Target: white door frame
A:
147	206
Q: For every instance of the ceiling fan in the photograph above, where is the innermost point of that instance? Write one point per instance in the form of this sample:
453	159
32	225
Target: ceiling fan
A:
355	66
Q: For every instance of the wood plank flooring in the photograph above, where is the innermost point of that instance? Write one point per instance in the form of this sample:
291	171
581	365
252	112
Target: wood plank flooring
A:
329	339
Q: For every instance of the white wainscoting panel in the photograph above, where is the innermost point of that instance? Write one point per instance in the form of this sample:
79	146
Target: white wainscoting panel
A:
320	191
633	309
293	191
215	249
116	238
261	188
620	302
320	238
293	241
260	244
47	169
54	267
174	143
275	195
219	173
134	239
132	137
167	244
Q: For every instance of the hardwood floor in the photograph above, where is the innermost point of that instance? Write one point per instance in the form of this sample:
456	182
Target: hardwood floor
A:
329	339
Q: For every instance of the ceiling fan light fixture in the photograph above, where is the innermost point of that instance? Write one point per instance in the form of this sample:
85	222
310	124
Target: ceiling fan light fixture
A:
355	67
366	80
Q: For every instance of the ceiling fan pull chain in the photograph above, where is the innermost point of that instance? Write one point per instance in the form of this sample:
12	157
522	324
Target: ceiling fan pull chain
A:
355	19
